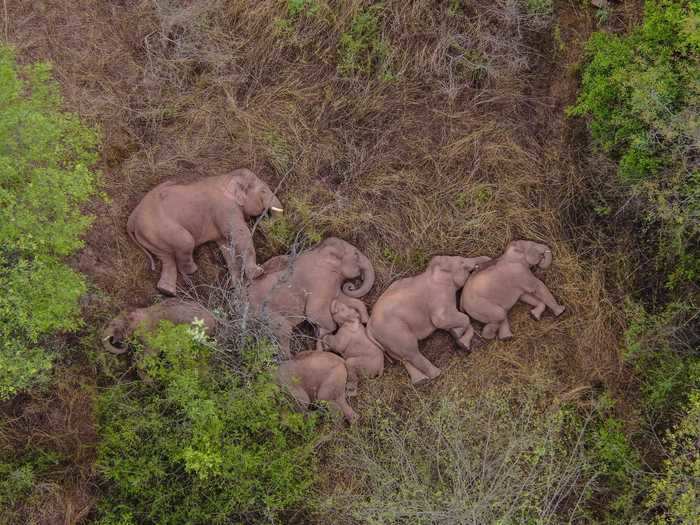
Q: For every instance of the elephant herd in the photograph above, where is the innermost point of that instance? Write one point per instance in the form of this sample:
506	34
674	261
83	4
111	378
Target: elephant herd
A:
324	286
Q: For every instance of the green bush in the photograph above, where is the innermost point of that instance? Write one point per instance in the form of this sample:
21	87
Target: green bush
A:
675	494
197	444
493	458
362	50
45	159
668	366
641	94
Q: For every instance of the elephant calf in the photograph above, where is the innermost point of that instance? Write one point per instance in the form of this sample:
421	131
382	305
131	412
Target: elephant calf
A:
117	333
363	358
413	308
316	376
491	292
173	219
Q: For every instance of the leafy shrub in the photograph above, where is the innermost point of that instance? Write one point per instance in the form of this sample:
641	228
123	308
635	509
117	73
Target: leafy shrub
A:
362	50
496	458
641	94
197	444
45	155
675	493
667	365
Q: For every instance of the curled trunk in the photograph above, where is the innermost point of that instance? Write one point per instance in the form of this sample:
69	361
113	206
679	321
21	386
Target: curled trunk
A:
367	277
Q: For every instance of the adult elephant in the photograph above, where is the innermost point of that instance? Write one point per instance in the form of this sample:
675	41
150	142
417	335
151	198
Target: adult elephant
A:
491	292
293	290
413	308
173	219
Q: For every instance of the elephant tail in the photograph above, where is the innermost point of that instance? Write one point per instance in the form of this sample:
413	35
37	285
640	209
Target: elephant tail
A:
131	229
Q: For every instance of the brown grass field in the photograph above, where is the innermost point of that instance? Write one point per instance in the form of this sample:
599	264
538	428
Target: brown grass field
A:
449	138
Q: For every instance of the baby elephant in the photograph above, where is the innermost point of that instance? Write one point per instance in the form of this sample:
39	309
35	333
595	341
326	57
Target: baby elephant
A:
173	219
117	333
316	376
413	308
491	292
363	358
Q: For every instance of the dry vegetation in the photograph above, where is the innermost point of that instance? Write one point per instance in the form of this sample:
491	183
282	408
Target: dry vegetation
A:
449	140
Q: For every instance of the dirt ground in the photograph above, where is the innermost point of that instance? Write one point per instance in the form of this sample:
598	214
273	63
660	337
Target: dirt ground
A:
461	149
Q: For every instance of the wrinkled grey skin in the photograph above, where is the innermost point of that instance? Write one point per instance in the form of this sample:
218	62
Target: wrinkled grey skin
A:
491	292
413	308
291	291
173	219
363	358
116	334
316	376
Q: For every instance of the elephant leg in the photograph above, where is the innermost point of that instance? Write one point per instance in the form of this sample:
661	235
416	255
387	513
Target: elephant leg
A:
539	306
492	315
300	395
543	293
333	390
417	377
168	275
282	329
490	330
464	341
349	414
504	330
318	312
420	362
353	365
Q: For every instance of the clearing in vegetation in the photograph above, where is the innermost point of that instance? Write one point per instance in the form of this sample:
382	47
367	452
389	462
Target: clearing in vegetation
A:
409	129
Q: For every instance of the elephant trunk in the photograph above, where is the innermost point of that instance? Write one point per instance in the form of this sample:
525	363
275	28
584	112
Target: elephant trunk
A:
367	276
112	345
112	342
546	257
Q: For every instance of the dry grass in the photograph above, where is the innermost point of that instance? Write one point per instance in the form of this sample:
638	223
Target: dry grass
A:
462	149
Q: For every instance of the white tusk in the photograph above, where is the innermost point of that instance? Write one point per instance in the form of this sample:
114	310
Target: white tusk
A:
276	209
107	338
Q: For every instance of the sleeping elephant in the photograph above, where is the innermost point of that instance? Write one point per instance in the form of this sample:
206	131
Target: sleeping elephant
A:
413	308
116	335
491	292
173	219
291	291
316	376
363	358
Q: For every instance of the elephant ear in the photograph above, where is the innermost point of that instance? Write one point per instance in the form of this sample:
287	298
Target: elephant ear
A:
238	188
439	267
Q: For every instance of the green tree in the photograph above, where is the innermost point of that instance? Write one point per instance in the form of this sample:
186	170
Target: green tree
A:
45	159
199	443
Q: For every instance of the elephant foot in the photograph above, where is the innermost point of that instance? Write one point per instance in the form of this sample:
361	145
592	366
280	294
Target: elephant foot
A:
166	289
504	332
559	310
188	268
537	312
489	331
420	380
465	342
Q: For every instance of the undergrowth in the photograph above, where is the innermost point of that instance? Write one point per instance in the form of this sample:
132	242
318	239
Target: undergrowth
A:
46	155
198	444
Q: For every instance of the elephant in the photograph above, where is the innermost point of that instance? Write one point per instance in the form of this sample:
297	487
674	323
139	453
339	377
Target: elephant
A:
316	376
363	358
411	309
492	291
290	291
173	219
116	334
